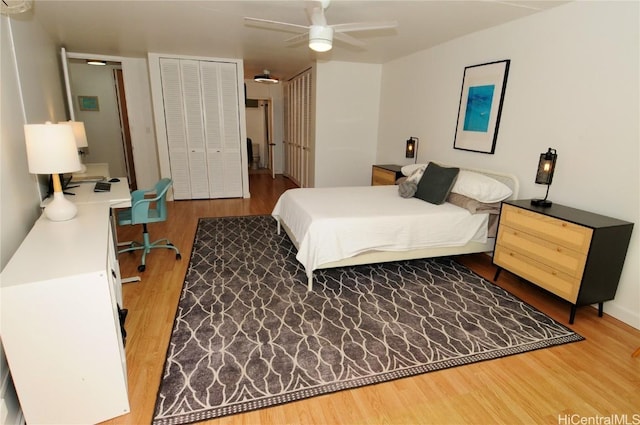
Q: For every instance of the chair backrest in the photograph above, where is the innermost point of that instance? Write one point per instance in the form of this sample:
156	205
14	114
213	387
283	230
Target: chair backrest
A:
162	187
140	210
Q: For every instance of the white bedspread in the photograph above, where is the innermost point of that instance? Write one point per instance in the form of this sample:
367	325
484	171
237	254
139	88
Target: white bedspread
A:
331	224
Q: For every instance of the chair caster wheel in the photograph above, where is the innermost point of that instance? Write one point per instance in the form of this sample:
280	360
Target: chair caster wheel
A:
178	256
141	267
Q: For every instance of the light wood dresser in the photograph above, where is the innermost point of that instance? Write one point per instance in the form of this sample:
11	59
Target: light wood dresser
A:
574	254
385	174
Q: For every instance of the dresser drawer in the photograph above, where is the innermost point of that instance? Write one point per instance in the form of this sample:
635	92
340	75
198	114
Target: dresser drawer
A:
548	228
546	252
561	284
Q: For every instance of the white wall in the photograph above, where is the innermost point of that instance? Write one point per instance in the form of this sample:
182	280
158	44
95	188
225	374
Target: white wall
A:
31	93
573	86
347	103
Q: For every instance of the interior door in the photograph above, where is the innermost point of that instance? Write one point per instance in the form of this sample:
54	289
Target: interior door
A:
124	129
175	126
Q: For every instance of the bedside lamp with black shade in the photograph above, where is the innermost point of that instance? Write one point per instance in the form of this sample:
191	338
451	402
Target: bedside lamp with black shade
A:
412	148
546	167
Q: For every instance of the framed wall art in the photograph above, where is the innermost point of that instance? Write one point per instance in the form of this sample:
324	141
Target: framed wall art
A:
88	103
483	88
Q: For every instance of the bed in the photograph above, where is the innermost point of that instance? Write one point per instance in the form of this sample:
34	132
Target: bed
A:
346	226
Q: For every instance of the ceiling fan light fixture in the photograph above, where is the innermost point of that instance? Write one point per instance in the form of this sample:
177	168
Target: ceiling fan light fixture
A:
265	77
320	38
13	7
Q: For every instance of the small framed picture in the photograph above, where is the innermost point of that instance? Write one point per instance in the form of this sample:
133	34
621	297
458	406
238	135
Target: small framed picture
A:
88	103
483	88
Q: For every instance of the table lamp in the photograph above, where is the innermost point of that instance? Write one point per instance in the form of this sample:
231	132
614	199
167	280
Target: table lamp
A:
546	167
81	139
51	149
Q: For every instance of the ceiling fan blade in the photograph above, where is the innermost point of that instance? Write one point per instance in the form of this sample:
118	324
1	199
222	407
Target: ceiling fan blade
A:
364	26
345	38
297	38
276	25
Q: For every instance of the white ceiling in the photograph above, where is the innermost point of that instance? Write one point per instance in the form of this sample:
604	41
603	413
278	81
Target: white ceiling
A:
217	29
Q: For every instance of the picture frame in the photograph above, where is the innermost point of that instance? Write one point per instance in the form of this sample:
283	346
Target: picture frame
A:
480	108
88	103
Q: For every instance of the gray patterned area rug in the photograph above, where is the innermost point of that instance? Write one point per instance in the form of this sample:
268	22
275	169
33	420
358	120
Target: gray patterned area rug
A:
248	335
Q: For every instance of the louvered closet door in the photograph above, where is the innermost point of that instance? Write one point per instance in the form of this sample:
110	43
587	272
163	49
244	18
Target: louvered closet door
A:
287	136
305	142
175	126
222	128
298	129
192	98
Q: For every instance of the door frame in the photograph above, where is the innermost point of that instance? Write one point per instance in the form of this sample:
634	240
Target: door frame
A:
158	113
121	100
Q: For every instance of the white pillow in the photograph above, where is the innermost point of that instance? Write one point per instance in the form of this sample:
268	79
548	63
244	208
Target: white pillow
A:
407	170
480	187
416	175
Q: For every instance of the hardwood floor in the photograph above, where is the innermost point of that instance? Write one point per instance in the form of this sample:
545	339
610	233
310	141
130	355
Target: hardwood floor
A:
593	378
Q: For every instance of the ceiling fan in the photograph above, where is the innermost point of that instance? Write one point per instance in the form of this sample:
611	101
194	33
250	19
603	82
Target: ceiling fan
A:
320	33
12	7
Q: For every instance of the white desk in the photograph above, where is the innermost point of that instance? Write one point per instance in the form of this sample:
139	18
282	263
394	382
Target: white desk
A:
118	197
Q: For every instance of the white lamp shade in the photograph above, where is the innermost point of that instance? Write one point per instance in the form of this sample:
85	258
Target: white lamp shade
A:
320	38
78	132
51	148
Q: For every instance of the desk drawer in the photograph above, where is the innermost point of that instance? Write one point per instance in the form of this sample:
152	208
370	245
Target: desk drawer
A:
561	284
552	254
548	228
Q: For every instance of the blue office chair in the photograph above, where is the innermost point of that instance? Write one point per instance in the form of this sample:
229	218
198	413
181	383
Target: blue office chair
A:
141	212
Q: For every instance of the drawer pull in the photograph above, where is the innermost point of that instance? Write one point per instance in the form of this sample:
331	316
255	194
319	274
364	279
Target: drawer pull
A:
564	224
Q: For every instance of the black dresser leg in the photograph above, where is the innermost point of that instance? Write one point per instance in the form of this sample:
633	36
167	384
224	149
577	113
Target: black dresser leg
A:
600	309
497	274
572	316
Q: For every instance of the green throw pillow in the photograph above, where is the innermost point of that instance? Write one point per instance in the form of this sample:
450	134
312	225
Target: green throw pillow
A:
436	183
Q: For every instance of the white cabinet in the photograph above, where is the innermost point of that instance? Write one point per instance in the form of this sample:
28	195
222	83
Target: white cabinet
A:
202	120
60	327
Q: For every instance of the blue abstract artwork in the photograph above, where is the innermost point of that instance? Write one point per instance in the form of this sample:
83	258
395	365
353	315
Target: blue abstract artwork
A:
478	108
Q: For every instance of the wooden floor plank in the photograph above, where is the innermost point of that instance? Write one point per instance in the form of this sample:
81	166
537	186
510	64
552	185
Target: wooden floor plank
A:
598	376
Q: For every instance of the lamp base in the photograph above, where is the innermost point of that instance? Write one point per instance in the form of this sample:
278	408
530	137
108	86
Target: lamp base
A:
60	208
541	203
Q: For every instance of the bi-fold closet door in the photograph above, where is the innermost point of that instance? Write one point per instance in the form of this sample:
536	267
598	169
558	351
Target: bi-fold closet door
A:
299	110
203	127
